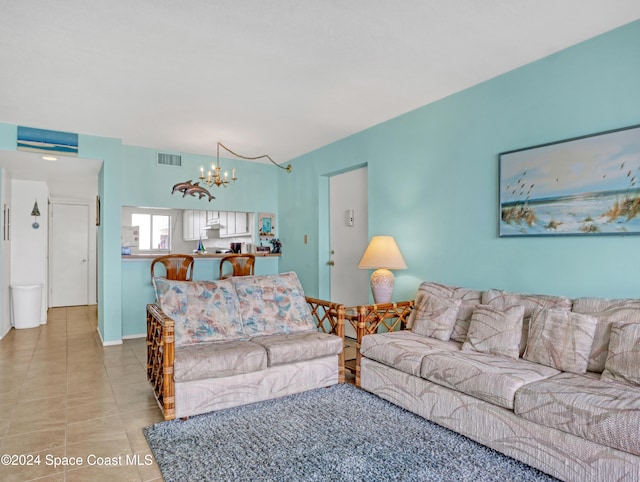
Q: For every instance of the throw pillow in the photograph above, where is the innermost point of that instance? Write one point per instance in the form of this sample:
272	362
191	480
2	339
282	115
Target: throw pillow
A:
607	312
435	317
202	311
624	354
561	339
273	304
470	298
503	299
495	331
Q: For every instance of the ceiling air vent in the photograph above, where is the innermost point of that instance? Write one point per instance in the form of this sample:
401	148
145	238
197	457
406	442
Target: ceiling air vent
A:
169	159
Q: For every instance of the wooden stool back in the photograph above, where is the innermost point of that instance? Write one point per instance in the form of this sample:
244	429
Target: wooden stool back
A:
177	266
242	265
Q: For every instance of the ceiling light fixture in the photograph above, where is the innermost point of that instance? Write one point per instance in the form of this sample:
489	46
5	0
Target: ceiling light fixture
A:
49	158
215	177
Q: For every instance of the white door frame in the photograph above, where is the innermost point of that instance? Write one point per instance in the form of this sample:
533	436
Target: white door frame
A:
91	248
348	235
324	239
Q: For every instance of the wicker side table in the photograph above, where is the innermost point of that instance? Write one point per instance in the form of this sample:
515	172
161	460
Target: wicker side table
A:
369	319
351	316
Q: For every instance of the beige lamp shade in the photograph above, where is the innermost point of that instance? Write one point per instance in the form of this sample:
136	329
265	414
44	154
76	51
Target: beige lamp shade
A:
382	254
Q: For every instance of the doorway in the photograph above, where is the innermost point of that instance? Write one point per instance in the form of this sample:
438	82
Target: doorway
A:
348	238
69	255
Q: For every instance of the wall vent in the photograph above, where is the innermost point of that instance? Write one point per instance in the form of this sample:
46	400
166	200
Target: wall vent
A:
169	159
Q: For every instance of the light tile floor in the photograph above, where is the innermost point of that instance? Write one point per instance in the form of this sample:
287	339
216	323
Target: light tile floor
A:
63	394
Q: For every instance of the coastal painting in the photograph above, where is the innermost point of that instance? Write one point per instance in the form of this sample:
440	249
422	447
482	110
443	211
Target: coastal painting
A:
47	142
583	186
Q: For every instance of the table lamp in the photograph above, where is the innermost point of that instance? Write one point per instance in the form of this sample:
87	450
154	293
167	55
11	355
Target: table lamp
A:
382	254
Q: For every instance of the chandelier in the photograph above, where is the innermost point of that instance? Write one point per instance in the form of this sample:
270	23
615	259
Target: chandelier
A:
215	176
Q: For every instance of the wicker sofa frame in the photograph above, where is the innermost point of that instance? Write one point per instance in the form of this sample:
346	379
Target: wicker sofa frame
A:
329	318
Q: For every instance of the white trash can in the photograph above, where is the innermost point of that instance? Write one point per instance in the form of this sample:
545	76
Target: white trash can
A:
25	305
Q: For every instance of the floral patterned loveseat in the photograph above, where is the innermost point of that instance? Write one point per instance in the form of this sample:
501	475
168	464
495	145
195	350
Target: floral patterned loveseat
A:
218	344
548	380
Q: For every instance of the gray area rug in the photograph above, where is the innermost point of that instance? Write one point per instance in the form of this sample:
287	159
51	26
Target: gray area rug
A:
339	433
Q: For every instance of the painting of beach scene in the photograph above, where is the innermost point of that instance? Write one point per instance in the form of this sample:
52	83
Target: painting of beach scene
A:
582	186
47	142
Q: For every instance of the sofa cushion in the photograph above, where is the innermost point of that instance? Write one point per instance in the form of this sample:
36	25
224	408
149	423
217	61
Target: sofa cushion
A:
202	311
273	304
623	361
561	339
402	350
435	316
606	312
217	360
603	412
297	347
469	299
494	379
503	299
495	331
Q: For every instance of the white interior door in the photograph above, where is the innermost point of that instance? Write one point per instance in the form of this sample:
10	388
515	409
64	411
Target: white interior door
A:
348	233
69	254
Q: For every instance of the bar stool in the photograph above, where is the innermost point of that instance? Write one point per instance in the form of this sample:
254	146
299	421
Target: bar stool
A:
242	265
176	266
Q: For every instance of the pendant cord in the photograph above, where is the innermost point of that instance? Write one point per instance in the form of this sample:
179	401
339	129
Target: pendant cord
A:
287	168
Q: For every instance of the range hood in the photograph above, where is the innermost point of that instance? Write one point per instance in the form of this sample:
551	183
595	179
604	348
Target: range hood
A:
214	224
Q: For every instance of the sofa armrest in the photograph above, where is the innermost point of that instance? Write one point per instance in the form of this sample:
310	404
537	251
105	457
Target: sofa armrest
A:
160	358
329	318
370	318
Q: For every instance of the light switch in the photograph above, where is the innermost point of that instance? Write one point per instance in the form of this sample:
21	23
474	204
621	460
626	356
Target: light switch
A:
349	217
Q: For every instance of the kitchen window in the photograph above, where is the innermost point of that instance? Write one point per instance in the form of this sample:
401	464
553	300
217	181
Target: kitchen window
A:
154	231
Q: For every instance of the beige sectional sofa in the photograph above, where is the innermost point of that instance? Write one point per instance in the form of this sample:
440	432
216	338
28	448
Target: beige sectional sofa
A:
548	380
218	344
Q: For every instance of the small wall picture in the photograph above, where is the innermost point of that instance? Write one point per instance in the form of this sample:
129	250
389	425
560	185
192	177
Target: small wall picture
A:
266	224
47	142
588	185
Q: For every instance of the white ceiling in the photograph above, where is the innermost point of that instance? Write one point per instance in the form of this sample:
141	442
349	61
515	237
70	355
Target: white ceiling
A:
282	77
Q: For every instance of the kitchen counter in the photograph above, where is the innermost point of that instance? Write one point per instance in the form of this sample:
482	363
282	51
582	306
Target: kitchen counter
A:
198	256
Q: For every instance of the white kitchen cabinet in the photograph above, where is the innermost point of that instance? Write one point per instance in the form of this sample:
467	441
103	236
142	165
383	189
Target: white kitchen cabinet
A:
212	216
234	224
198	223
201	224
194	225
231	224
187	225
223	224
242	224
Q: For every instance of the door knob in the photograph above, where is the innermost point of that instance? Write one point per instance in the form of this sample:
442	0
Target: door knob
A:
331	262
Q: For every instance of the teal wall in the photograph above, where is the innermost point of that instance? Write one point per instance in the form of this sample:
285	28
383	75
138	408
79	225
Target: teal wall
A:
433	179
433	184
130	177
109	271
143	183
